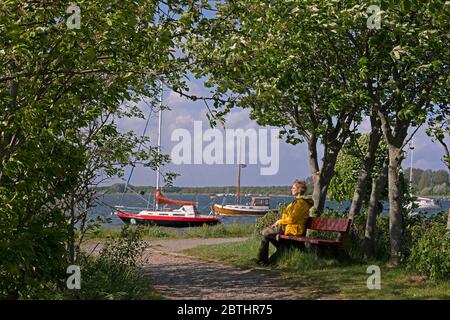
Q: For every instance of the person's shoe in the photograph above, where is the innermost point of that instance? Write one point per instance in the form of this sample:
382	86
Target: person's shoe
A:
273	258
262	263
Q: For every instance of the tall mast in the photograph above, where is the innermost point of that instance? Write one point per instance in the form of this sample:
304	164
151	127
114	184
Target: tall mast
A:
159	138
238	191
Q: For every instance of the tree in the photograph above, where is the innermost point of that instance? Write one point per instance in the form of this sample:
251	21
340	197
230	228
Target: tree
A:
399	70
289	63
407	74
425	180
56	82
107	153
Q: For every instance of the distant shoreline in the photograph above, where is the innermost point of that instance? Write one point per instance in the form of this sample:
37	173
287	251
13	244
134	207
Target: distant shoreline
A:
191	194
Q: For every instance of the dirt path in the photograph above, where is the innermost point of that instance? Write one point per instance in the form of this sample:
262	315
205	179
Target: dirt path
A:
177	276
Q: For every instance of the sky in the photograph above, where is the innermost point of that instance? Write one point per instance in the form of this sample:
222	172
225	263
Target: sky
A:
292	160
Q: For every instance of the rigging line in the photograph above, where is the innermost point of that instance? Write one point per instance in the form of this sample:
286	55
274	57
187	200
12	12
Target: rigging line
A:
102	203
132	168
139	195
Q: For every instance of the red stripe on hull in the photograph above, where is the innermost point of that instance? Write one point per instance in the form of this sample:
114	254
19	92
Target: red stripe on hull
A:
150	217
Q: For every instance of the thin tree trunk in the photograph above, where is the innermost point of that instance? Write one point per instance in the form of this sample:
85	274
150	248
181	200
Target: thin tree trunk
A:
448	220
394	138
364	174
321	185
395	200
373	211
71	238
6	139
322	177
315	171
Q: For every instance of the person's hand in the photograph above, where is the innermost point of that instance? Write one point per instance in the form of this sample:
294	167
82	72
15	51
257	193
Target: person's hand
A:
276	223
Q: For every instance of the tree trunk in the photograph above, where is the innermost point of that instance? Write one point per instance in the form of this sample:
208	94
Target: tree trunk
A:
315	171
448	220
319	195
366	169
395	201
321	177
373	211
321	183
71	235
6	138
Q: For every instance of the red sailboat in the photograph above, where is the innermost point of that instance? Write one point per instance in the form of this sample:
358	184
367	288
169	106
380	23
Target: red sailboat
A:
186	216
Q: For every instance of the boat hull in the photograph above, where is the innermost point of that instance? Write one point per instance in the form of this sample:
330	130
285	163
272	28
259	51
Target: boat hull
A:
223	210
175	222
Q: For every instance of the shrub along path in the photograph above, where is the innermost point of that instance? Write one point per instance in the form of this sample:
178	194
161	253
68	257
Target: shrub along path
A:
178	276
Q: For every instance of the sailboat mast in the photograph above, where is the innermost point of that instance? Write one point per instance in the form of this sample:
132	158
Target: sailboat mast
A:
411	147
238	189
159	139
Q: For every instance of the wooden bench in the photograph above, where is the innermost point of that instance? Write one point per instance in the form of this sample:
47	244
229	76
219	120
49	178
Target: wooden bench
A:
339	225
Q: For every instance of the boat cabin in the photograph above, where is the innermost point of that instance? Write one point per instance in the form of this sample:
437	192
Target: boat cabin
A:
260	201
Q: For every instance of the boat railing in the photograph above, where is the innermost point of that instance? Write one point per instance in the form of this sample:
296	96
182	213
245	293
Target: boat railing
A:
131	208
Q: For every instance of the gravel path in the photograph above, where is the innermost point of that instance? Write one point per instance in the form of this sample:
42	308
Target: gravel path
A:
177	276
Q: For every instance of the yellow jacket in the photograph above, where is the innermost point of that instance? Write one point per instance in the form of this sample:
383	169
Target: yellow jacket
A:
295	216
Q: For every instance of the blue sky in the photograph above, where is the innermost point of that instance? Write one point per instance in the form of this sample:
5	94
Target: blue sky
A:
293	160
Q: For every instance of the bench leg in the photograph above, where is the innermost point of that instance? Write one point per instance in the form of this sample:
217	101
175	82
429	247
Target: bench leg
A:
343	255
326	252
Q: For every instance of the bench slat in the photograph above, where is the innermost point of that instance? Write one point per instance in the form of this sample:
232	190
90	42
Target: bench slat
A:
328	224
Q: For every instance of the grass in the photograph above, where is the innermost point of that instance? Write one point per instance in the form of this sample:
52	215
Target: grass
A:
327	278
154	232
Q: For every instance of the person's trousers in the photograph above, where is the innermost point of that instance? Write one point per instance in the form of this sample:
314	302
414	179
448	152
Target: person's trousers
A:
268	235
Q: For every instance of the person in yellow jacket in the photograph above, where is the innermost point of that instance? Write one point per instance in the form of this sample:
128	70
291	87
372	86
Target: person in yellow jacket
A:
292	222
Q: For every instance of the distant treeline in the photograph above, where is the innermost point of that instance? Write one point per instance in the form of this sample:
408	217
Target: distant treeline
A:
429	182
424	182
274	190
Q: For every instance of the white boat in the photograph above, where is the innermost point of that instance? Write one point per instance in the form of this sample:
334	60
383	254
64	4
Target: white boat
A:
426	203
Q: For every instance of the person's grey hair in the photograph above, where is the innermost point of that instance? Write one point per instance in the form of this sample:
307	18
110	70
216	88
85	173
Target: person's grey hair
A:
301	184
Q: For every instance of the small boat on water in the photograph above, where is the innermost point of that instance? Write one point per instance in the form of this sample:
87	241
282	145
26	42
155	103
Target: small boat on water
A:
186	216
426	203
259	205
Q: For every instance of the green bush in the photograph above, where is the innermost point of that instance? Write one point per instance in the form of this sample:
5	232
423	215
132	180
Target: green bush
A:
381	237
265	221
32	255
431	254
115	272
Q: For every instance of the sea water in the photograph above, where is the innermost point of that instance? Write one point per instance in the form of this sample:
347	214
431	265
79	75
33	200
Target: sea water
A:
107	202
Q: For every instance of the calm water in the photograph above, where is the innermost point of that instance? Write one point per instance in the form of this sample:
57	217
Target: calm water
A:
104	209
